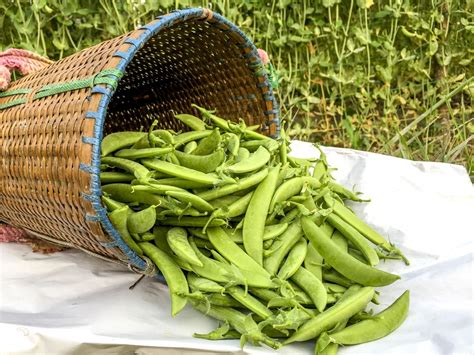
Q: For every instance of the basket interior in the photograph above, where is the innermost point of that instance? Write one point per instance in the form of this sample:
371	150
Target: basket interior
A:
190	62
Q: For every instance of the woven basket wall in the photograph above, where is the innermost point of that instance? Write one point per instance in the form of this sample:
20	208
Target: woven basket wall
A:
52	122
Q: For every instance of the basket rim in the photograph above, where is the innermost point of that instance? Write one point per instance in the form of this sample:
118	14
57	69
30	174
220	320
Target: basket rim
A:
99	112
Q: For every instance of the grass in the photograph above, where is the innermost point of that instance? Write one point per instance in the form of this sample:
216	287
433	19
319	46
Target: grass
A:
391	76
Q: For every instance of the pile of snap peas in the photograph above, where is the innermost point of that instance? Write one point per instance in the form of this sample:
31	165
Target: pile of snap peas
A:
249	235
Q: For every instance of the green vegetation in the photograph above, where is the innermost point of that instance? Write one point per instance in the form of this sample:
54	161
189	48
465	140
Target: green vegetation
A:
391	76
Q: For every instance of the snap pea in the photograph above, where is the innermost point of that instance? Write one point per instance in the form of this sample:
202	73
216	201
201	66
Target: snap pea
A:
208	144
204	163
223	300
232	143
254	145
294	260
173	275
241	322
249	301
343	262
187	221
154	188
222	332
147	237
242	154
187	137
142	221
202	284
333	315
118	218
224	201
125	193
254	162
269	232
189	147
115	176
119	140
138	170
335	277
339	240
191	121
142	153
313	262
180	171
187	197
177	239
112	205
239	206
355	238
312	286
292	187
375	327
255	216
240	185
225	246
181	183
281	246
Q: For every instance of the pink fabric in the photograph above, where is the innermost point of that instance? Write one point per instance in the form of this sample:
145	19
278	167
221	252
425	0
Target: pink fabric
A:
24	61
9	234
263	56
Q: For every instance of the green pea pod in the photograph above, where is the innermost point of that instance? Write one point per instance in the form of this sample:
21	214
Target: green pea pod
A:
342	261
224	201
142	153
191	121
355	238
118	218
112	205
255	216
339	240
294	260
225	246
125	193
335	277
282	246
202	284
189	148
242	184
242	154
173	275
154	188
333	315
142	221
250	302
313	262
187	197
209	144
291	188
138	170
232	143
270	144
187	221
107	177
180	172
312	286
119	140
256	161
377	326
204	163
181	183
240	206
178	241
345	193
186	137
147	237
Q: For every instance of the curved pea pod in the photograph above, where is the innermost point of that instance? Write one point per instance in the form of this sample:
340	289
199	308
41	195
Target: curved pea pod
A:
375	327
291	188
335	277
155	188
178	241
119	140
240	185
269	232
355	238
204	163
142	153
191	121
138	170
112	205
180	171
125	193
294	260
232	143
187	197
181	183
225	246
107	177
189	147
187	137
249	301
312	286
313	262
330	317
173	275
342	261
209	144
241	322
118	218
339	240
187	221
240	206
224	201
256	214
256	161
281	247
242	154
142	221
202	284
345	193
269	144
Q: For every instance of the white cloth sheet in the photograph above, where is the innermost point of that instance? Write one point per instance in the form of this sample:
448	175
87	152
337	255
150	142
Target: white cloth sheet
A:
71	303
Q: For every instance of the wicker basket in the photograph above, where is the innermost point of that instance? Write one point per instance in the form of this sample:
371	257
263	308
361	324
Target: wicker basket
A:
52	122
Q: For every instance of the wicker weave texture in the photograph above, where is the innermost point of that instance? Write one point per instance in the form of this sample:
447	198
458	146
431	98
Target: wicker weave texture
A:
50	146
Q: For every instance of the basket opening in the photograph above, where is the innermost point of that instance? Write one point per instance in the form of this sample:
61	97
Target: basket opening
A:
190	62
